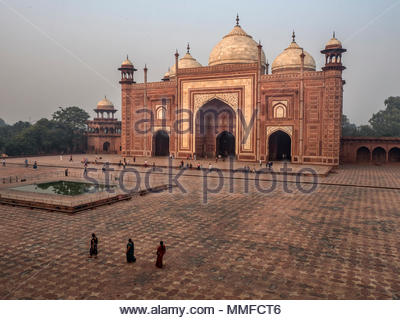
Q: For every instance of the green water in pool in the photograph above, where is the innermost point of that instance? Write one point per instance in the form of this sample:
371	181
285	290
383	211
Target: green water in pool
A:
66	188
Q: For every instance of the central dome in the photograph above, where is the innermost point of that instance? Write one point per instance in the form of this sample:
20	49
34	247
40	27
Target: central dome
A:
236	47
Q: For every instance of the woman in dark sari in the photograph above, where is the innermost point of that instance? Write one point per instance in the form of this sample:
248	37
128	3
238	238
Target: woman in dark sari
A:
130	251
160	254
93	246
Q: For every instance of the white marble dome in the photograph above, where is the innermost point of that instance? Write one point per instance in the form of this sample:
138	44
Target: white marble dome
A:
236	47
187	61
289	60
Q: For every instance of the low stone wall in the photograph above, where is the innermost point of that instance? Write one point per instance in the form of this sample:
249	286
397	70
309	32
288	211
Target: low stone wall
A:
375	150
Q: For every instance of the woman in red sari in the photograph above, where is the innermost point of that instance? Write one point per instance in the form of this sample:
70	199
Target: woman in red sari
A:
160	254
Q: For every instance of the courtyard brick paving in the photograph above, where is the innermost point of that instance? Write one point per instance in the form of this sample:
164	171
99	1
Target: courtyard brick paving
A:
338	242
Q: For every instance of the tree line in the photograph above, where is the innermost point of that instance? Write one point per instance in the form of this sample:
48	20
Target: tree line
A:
63	133
384	123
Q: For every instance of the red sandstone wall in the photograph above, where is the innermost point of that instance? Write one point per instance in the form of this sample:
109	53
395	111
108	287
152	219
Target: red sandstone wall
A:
350	145
316	129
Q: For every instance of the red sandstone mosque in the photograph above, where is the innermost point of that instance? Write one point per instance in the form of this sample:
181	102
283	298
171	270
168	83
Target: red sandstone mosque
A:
236	106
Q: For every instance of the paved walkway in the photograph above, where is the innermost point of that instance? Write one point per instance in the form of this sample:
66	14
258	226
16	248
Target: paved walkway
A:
164	162
338	242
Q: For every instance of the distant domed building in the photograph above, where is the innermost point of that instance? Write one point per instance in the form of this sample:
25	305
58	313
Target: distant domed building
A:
235	106
104	131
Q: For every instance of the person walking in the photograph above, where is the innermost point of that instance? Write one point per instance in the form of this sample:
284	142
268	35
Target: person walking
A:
93	246
26	163
161	250
130	251
34	165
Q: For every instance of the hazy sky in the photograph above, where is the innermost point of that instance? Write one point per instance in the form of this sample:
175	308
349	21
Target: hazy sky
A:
61	53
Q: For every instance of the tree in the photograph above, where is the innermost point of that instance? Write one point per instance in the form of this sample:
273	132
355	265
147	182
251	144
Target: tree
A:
9	143
64	133
387	122
73	117
348	129
72	120
365	131
2	123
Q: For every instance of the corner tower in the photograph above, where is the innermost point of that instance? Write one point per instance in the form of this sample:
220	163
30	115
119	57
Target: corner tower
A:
333	107
333	54
127	70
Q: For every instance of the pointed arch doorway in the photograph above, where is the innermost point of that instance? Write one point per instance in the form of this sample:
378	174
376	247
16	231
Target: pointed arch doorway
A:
279	146
106	146
225	144
161	143
215	130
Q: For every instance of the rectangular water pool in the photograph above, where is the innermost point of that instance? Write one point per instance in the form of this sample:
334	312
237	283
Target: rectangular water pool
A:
65	188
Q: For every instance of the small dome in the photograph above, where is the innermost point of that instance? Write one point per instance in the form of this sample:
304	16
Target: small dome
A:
236	47
187	61
290	60
127	62
166	76
105	104
333	43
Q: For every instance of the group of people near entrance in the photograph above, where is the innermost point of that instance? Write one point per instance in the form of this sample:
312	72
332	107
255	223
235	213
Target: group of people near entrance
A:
130	251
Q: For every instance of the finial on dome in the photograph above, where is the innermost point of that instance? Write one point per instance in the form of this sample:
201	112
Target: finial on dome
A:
293	36
188	48
127	58
237	19
334	35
